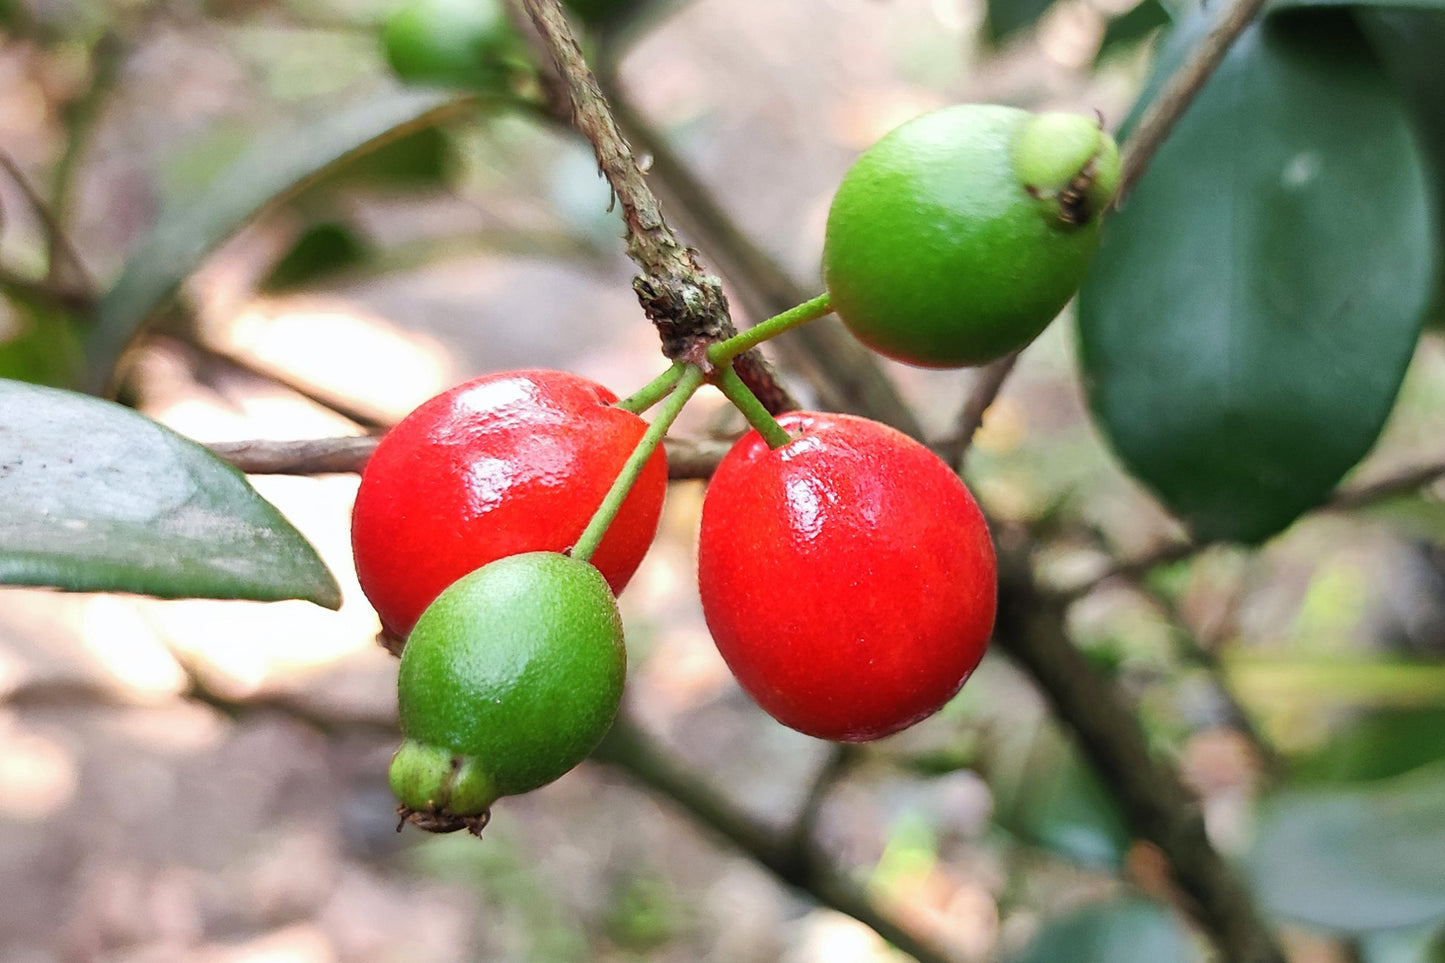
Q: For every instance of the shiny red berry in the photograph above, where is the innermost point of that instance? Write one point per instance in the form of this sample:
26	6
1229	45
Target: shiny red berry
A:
505	464
848	577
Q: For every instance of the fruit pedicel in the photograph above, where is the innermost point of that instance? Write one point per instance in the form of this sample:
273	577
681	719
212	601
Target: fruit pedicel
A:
846	573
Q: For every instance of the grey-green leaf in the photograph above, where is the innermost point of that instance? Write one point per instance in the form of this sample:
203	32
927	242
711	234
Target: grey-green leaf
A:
1060	805
1284	6
1123	931
273	170
1408	42
1254	305
1357	860
99	498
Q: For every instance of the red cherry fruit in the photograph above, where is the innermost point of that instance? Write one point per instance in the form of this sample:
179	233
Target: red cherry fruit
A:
505	464
848	577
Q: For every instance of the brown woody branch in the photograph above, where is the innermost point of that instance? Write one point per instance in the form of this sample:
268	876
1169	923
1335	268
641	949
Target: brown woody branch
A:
684	303
985	391
686	457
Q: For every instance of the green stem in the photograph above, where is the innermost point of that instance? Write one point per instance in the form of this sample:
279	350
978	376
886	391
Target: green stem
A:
745	401
724	351
652	392
691	379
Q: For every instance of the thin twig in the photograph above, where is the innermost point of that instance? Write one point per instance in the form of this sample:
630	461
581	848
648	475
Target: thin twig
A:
106	56
54	233
313	456
1407	481
1203	655
197	346
1164	553
627	748
803	832
985	390
687	458
1344	500
1179	92
43	292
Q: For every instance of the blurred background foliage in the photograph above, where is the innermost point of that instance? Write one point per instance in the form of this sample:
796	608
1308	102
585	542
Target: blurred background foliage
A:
204	780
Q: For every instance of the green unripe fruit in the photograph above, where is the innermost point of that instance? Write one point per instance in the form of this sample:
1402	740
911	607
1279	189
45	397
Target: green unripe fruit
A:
959	236
510	678
459	43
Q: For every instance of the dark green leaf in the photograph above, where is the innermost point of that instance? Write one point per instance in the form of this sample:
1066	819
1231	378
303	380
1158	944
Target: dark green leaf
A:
1356	860
1124	931
99	498
420	160
1378	745
1131	27
1254	305
1408	42
275	169
623	22
322	251
1005	17
42	345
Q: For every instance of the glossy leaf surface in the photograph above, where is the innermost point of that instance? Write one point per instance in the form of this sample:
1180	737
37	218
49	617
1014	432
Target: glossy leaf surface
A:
1251	312
1357	860
1408	41
98	498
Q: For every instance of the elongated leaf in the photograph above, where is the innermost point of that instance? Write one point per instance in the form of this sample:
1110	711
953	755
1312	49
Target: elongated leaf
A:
95	497
1408	42
1357	860
1253	307
322	251
42	345
1007	17
1124	931
275	169
1131	27
1377	745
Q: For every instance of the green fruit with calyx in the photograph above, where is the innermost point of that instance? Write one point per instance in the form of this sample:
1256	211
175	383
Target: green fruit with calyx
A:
509	679
958	237
456	43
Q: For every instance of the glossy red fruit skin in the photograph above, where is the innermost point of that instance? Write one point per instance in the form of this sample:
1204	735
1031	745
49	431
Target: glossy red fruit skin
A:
848	577
504	464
